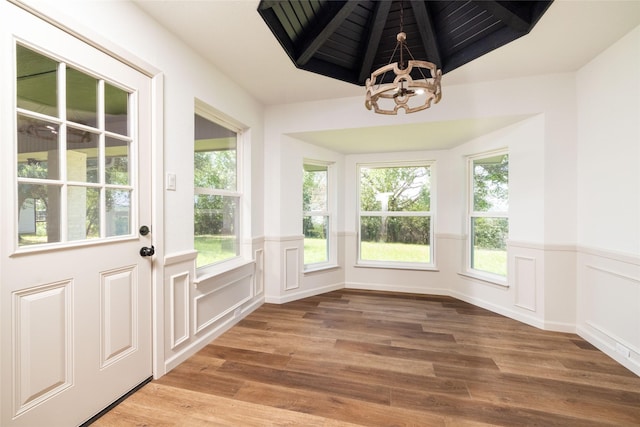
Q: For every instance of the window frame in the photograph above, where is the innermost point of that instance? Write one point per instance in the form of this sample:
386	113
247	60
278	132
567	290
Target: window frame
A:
400	265
472	214
329	213
209	113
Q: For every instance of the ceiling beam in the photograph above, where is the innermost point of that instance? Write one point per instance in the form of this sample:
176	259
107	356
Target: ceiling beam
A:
515	17
267	4
373	40
427	32
491	42
333	16
272	20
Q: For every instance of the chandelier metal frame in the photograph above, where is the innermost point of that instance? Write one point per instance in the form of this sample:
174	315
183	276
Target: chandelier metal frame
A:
406	92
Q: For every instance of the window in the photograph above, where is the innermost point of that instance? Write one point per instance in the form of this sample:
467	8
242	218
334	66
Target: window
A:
489	214
217	192
317	219
74	168
395	215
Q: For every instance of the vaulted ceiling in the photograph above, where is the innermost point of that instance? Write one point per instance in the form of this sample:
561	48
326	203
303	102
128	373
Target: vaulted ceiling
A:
347	40
233	36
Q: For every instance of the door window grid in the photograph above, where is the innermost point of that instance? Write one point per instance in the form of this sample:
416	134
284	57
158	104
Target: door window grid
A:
68	187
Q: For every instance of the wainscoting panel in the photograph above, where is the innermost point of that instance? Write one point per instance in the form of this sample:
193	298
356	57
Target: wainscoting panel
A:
525	282
42	324
179	308
258	278
221	296
291	268
201	306
613	304
608	301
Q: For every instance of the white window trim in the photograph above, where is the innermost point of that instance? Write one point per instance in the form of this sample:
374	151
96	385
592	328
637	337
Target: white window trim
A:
467	271
244	255
399	265
332	202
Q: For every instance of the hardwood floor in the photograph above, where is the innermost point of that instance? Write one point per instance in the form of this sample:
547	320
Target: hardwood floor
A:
369	358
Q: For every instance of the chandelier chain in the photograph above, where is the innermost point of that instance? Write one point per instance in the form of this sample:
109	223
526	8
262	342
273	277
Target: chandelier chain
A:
401	43
404	92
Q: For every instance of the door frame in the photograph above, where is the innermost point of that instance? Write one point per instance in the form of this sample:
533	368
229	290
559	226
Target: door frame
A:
52	15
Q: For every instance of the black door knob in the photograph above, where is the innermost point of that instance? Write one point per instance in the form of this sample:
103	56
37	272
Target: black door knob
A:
145	251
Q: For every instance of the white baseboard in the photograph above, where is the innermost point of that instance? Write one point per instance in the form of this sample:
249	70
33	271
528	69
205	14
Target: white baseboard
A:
609	350
299	294
393	288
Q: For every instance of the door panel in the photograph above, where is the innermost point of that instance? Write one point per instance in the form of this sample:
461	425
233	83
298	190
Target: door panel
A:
75	295
44	366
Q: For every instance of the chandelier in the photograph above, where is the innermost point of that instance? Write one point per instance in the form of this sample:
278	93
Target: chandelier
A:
404	91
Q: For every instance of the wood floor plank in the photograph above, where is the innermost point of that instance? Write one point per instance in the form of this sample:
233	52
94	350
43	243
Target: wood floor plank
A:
616	382
186	408
487	412
378	376
373	358
339	408
306	381
410	354
553	396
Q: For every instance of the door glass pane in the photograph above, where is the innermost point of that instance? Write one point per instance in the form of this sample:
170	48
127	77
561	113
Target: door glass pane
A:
83	213
116	162
116	110
82	98
82	156
37	78
38	216
118	212
37	148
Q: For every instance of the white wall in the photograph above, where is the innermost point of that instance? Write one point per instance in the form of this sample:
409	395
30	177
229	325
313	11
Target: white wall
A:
286	279
609	149
608	170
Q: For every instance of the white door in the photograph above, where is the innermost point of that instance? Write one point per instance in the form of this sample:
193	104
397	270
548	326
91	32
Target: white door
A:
75	191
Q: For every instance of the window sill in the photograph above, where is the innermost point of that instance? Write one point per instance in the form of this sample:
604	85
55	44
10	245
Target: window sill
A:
223	267
319	268
398	266
486	278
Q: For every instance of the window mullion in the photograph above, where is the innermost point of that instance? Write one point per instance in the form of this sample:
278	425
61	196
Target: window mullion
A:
62	150
396	213
490	214
101	158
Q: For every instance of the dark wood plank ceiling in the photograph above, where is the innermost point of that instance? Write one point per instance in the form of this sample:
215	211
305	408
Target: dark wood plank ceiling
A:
347	40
